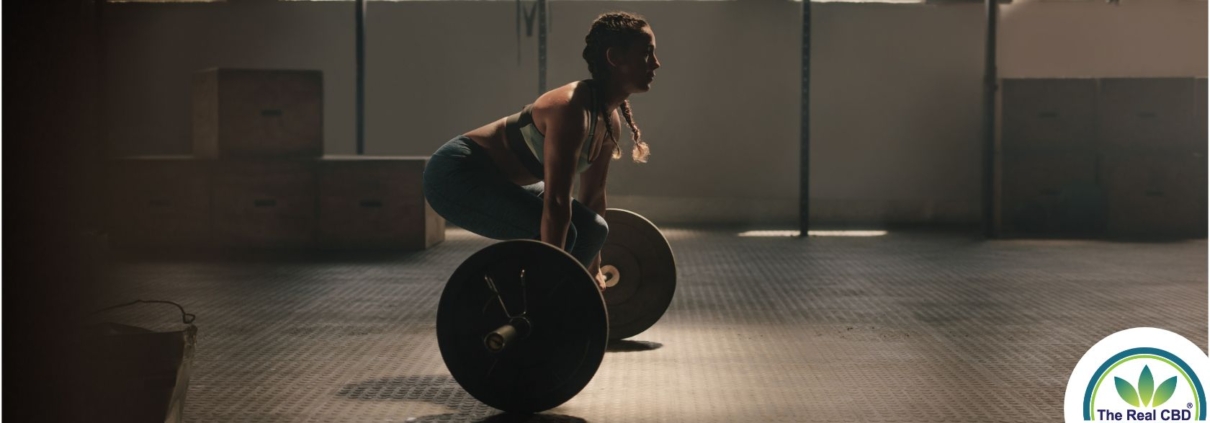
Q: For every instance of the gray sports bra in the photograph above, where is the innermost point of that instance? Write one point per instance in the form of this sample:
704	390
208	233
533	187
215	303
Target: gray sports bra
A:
528	143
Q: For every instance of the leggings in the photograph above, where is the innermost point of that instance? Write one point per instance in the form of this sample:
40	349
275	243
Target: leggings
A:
464	186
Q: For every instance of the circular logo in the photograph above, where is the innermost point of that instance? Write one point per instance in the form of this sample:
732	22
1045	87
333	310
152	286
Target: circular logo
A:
1140	374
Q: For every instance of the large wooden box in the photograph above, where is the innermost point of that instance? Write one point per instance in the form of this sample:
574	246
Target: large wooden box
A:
1155	195
375	202
265	203
250	113
159	201
1148	114
1051	194
1049	114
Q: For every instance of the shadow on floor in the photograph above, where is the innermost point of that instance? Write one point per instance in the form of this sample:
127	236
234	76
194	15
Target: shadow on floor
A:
262	255
503	418
627	345
441	390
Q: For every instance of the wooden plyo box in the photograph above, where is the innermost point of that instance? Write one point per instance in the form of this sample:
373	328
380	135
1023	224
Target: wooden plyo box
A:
1049	115
1149	114
264	203
375	202
159	201
1155	195
249	113
1051	194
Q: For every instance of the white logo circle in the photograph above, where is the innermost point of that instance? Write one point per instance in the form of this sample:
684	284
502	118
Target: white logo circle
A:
1140	374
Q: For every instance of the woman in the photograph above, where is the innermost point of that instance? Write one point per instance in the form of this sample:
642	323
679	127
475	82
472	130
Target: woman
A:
512	178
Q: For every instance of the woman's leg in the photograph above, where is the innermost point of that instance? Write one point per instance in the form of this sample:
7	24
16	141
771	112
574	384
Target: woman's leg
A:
464	186
591	231
587	232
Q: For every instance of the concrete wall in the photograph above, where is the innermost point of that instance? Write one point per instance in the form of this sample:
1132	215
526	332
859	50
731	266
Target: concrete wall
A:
1136	38
895	90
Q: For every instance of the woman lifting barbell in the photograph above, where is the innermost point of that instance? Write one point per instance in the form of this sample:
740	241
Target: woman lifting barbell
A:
507	180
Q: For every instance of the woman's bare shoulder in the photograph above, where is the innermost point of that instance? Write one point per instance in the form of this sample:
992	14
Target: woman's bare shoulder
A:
568	101
574	96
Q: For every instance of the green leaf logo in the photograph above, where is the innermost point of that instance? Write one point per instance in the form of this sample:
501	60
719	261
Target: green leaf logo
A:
1147	394
1126	391
1165	391
1146	386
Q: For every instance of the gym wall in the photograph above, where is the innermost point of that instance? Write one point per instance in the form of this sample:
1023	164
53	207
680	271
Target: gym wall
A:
895	89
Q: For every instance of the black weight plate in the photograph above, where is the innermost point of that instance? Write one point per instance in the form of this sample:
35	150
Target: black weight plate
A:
569	326
647	272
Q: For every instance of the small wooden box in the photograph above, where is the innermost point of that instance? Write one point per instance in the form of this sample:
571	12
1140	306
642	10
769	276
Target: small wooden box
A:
1051	194
1156	195
1049	114
265	203
376	202
159	201
248	113
1148	114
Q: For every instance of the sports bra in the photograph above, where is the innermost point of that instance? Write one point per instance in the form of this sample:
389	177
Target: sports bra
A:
526	141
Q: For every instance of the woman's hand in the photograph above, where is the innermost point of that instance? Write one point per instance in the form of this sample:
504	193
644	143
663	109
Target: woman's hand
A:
595	269
600	280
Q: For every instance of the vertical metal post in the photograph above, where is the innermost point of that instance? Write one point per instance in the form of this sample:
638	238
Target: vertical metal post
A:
990	81
541	47
102	79
804	163
361	76
520	12
98	191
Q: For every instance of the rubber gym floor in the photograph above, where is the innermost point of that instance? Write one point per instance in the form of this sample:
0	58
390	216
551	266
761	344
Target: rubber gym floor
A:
906	327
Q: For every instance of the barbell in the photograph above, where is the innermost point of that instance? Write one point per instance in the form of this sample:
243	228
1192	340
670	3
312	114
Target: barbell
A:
523	327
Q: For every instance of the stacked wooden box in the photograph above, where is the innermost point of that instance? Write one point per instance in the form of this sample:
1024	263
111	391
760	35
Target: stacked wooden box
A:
1103	157
258	177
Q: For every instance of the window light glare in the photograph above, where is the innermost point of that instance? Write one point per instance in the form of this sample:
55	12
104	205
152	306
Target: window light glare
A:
847	233
768	234
776	234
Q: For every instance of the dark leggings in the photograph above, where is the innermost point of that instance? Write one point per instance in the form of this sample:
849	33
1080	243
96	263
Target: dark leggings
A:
464	186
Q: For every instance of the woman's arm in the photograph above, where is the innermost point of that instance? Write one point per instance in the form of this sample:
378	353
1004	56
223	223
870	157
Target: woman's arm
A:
592	185
565	132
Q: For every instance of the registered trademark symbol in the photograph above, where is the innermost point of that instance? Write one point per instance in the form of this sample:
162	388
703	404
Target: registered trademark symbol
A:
1189	405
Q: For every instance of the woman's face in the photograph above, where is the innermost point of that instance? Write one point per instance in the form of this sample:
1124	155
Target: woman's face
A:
635	67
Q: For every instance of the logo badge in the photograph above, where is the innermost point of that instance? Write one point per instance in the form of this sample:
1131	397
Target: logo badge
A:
1140	374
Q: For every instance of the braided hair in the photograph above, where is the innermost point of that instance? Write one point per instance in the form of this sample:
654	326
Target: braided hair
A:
614	29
